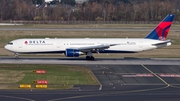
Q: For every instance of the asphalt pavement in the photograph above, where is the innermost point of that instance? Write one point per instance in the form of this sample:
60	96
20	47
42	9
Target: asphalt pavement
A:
125	80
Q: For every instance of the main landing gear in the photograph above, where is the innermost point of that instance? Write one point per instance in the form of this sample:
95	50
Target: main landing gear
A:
16	56
89	56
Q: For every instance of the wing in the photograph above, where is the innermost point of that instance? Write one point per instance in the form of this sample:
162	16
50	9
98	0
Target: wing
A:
93	48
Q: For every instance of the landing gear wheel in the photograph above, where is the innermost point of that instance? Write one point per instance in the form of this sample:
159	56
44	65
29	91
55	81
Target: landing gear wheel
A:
89	58
16	56
92	58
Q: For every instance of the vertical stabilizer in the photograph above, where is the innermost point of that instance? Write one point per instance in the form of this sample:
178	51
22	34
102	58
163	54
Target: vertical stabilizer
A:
161	30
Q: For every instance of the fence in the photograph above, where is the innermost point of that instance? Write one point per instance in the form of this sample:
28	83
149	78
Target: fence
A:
85	22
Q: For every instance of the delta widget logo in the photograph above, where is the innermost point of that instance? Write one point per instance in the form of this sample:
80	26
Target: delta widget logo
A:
26	42
34	42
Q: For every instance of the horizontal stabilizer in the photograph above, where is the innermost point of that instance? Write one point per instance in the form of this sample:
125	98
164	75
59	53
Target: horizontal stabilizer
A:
162	43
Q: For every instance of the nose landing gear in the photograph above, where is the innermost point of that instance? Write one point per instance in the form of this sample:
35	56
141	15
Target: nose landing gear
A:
16	56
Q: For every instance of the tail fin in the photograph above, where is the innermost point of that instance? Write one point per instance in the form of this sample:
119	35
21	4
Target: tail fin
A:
162	29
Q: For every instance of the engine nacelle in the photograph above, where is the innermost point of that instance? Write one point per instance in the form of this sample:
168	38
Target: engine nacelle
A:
73	53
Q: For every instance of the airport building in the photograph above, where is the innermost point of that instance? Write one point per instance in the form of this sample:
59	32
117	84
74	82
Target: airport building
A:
81	1
77	1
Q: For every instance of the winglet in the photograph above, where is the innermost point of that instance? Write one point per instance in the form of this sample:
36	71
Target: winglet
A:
161	30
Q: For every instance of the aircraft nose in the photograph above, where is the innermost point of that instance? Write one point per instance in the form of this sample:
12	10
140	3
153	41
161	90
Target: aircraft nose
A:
7	47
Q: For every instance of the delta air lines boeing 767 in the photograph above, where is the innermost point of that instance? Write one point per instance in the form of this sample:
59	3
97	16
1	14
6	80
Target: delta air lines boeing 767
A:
74	47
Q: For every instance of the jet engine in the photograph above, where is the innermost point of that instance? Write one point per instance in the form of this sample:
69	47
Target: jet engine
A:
73	53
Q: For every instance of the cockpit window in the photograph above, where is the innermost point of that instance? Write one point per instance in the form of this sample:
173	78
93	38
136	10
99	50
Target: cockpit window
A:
10	43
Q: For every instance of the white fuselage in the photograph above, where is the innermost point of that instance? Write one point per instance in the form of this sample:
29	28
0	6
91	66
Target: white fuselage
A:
47	45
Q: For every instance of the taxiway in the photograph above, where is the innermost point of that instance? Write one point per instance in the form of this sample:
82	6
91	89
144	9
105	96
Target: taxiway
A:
126	79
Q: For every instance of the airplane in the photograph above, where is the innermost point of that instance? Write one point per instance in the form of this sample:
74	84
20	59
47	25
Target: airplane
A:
74	47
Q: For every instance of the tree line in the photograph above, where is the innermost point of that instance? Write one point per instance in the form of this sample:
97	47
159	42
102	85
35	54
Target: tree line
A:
93	10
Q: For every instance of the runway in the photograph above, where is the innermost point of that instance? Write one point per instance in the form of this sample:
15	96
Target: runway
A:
126	79
81	60
83	29
129	95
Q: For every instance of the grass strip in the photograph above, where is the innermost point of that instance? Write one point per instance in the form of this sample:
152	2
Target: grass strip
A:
58	76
